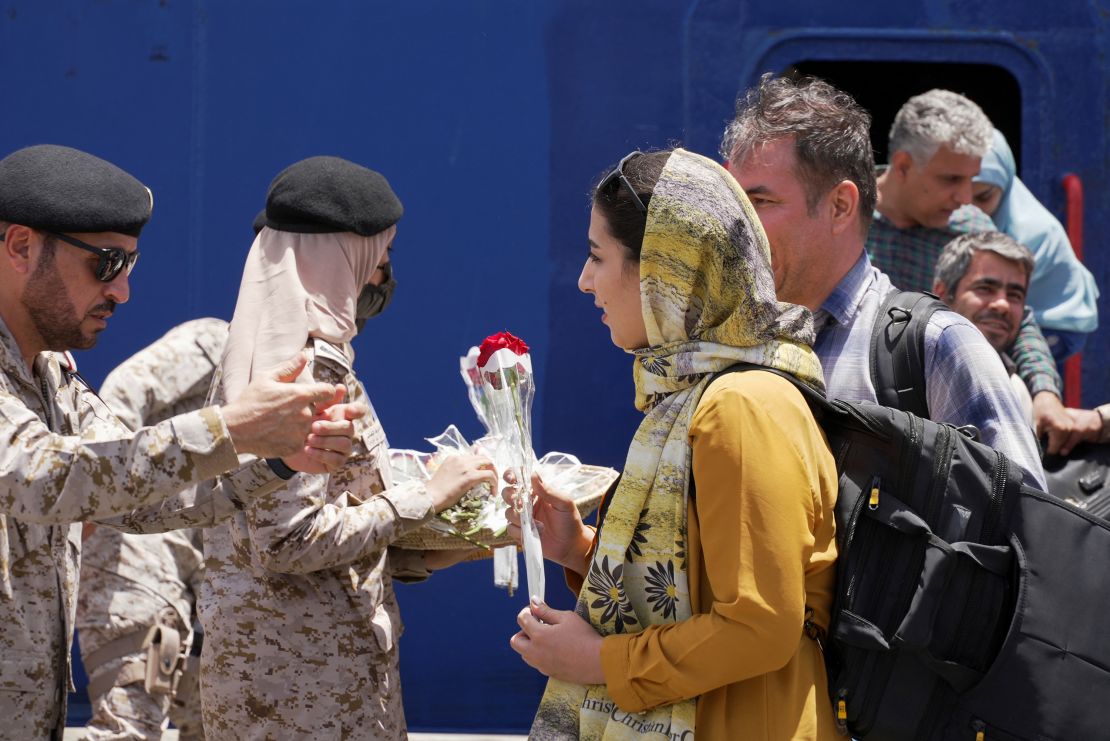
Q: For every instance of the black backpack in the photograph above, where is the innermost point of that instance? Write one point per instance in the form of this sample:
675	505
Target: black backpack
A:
968	605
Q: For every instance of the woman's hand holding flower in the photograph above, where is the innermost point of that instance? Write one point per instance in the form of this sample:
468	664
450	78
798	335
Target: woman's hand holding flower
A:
565	538
559	643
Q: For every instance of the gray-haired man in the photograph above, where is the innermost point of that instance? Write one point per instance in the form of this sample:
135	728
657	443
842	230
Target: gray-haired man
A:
937	142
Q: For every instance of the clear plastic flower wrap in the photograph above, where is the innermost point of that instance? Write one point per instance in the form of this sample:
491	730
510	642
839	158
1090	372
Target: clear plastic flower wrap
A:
500	386
479	517
505	372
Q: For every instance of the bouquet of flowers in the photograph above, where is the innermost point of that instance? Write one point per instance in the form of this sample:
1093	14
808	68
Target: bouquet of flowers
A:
502	398
499	382
479	517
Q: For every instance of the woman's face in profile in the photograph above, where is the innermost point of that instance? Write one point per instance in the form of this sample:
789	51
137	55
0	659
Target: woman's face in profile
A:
379	275
613	279
986	196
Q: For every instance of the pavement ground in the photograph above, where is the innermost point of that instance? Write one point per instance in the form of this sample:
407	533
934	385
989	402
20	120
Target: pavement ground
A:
72	734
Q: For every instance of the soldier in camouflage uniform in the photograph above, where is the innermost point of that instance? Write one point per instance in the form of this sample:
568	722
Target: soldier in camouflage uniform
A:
301	622
68	233
130	583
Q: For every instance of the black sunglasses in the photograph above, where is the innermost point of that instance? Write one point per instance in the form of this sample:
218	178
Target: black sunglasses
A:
618	174
113	260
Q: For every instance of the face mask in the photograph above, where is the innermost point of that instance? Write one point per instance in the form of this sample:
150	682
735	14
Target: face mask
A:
373	299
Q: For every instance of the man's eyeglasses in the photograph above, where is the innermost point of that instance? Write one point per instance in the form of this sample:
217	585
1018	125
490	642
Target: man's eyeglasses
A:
113	260
618	174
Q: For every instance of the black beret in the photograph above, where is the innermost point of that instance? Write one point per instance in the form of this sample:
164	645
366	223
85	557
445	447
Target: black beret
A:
330	194
61	189
259	222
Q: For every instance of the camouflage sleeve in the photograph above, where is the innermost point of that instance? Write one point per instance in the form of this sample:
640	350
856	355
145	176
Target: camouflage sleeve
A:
1033	359
300	529
53	479
204	505
408	566
322	521
177	367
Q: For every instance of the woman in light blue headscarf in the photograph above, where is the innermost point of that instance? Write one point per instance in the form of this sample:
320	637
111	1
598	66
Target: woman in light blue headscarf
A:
1062	293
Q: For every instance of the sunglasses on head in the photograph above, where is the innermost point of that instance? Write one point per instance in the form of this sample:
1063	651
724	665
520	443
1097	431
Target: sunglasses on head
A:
618	174
113	260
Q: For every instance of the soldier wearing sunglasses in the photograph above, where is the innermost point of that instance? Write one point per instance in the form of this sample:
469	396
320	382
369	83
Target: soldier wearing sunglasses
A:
69	229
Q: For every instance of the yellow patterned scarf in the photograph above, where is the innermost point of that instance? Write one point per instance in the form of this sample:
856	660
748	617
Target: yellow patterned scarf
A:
708	302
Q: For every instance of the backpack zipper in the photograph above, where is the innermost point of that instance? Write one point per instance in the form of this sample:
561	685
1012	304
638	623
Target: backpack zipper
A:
942	470
883	662
911	451
842	712
998	490
865	664
865	550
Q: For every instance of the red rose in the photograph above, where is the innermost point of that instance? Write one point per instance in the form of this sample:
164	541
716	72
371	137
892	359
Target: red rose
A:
493	343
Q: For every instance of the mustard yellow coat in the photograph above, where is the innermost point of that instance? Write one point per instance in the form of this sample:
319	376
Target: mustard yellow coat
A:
761	549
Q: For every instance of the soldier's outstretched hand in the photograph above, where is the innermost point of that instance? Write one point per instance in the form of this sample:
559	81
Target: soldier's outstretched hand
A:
327	447
273	416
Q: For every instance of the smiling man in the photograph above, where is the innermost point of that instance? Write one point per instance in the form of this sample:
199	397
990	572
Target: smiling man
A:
985	277
69	229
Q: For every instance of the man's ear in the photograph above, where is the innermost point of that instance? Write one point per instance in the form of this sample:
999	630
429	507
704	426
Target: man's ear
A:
844	202
942	290
901	162
19	248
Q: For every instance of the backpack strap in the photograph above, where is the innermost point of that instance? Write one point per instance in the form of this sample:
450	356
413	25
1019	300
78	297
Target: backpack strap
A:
817	401
898	350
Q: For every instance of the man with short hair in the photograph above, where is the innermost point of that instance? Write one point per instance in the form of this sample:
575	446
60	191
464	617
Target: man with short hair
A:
802	152
69	228
985	277
937	142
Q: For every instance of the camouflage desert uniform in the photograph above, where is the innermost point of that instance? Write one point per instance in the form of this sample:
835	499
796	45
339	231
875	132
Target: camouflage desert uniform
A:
130	583
300	618
49	482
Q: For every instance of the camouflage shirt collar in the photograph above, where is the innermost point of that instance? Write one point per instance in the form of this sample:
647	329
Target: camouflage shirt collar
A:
12	365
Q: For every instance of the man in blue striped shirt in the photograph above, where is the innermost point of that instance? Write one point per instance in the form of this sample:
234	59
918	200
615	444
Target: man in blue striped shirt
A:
802	152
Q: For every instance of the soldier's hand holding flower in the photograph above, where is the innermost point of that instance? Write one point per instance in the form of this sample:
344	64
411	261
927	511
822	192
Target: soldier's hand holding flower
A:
458	474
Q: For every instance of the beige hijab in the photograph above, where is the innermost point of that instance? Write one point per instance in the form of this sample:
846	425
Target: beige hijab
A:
296	286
